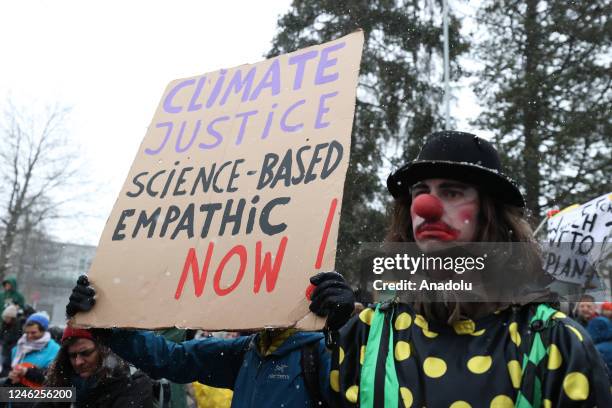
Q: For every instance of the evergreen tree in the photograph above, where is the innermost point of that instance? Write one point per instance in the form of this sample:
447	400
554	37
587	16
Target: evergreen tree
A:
398	96
546	91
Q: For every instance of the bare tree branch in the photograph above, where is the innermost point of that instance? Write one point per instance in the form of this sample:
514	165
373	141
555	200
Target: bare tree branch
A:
38	161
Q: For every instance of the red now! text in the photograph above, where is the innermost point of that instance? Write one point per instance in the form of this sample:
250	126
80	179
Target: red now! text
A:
264	268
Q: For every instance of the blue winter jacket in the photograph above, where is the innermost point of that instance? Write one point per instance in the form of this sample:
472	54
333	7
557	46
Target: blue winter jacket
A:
600	329
273	381
40	358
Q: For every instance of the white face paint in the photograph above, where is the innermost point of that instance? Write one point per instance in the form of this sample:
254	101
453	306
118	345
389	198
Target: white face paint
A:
456	221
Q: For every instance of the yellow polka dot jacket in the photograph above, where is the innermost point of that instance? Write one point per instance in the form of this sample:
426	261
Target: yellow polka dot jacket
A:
393	357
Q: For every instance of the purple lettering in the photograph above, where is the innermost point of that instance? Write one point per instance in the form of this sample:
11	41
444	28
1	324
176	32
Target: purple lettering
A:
217	89
324	63
192	104
283	122
237	84
159	149
213	132
323	110
270	80
266	130
245	119
300	61
168	107
178	147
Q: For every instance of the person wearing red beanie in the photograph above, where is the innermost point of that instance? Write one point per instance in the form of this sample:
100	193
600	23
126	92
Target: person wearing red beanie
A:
70	333
100	377
606	310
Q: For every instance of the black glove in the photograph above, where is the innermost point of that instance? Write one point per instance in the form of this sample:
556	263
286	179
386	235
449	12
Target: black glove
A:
82	297
332	297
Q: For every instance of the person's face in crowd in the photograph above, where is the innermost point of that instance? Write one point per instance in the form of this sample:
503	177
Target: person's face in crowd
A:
586	309
8	319
607	313
33	332
458	220
84	357
7	286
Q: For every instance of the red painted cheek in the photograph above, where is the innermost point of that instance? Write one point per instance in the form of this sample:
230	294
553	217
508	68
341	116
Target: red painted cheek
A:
466	216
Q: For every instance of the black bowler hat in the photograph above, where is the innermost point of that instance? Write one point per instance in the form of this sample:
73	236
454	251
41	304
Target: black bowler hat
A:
458	156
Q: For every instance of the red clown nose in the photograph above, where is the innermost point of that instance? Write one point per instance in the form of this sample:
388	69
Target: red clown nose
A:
428	207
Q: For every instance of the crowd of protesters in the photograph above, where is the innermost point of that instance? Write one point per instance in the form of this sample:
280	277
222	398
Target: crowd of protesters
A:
597	319
35	355
103	379
521	352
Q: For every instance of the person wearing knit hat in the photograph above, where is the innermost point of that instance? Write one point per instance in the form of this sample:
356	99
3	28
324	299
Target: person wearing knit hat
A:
34	352
40	318
10	312
100	377
10	295
606	310
80	344
10	332
273	367
71	333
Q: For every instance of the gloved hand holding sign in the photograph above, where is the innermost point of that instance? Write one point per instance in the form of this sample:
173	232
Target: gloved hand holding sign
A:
333	298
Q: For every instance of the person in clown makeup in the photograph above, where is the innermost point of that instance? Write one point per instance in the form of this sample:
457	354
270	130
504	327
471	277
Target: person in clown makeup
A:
505	351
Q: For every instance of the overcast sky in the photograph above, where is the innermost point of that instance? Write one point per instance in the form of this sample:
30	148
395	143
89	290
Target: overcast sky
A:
110	61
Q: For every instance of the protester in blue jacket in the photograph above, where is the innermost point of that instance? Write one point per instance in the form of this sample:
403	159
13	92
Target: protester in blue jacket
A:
600	329
34	352
280	368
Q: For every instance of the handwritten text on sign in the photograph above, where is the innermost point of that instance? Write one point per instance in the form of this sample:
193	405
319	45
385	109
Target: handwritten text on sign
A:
234	193
578	240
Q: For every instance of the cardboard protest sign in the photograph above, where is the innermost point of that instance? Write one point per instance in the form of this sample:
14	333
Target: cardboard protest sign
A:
579	240
233	200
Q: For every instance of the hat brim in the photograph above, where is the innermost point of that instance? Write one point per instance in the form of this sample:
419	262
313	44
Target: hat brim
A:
495	184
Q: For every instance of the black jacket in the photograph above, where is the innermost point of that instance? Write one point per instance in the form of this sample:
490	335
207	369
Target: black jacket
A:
10	334
131	391
117	391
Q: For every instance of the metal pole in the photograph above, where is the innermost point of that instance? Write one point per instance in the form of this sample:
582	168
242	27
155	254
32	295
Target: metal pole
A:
446	68
540	226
